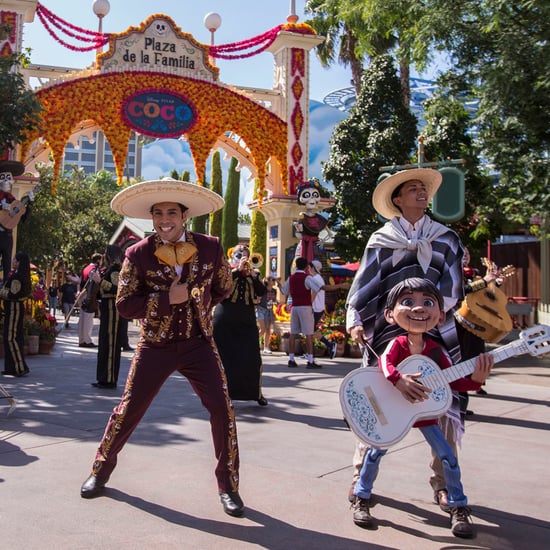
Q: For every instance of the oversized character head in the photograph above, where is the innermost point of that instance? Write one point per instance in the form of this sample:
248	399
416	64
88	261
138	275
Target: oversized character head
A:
309	194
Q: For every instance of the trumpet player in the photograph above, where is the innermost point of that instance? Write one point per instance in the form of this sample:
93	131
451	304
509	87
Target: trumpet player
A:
235	329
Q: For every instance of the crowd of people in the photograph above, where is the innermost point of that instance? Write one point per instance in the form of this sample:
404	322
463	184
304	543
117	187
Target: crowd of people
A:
402	301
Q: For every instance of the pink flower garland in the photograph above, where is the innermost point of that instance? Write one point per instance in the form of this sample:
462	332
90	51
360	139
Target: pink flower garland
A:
261	43
223	51
49	19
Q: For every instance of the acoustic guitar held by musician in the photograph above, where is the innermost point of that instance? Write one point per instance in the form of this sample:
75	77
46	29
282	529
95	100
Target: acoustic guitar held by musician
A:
483	311
12	210
381	405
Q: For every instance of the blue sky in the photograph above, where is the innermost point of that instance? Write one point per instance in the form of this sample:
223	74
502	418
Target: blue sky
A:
241	19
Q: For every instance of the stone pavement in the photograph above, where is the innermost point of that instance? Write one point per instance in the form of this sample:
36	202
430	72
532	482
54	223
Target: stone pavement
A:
295	465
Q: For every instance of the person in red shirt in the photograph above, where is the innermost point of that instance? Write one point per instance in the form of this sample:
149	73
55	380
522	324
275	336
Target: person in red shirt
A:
299	287
416	305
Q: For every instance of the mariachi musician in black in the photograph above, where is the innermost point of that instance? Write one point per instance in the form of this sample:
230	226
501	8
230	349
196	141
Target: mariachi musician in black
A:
17	288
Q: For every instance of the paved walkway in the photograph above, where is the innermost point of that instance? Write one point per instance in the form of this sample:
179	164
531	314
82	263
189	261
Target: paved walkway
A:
295	473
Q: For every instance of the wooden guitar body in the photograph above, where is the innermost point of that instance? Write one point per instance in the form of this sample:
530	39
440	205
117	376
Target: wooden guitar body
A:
10	218
484	314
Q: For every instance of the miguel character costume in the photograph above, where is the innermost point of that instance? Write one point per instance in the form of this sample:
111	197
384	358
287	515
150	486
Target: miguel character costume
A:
396	252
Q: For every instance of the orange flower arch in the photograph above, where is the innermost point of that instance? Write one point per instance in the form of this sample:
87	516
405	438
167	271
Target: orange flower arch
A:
218	110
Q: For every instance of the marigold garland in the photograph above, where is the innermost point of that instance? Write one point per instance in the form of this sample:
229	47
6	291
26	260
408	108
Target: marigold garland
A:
219	110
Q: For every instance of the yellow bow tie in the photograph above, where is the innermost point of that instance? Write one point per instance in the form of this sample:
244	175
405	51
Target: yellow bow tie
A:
175	253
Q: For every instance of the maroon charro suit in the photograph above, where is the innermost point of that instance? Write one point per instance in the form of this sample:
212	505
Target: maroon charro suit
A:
174	338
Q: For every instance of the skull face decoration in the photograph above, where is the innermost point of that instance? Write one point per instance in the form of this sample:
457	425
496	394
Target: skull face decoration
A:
310	223
237	254
6	182
160	29
309	194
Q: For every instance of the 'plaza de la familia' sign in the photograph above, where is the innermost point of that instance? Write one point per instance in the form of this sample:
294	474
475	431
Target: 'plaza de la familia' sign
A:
158	45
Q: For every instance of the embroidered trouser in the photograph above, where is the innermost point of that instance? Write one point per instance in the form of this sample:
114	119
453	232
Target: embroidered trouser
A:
14	361
198	360
109	346
434	436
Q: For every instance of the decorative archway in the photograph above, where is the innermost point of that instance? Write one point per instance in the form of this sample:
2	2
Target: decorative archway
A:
158	58
217	111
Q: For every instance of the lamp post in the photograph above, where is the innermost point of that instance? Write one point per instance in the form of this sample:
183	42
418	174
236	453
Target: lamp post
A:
292	17
101	8
212	22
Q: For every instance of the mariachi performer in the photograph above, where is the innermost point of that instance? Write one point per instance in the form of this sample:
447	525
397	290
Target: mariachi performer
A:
110	334
9	169
236	331
171	280
16	289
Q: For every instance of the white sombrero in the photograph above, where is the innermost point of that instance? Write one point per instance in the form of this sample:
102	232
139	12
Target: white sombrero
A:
136	201
381	198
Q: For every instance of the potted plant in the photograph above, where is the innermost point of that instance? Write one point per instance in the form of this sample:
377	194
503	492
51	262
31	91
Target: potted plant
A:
31	336
339	338
319	348
284	342
274	342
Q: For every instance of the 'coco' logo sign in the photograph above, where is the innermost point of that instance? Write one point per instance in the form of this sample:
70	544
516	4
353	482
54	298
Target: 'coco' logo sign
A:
159	113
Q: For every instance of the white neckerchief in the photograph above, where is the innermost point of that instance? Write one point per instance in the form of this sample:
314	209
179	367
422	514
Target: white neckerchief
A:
392	235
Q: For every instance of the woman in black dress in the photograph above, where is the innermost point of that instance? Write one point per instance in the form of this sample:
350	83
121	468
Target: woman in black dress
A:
236	332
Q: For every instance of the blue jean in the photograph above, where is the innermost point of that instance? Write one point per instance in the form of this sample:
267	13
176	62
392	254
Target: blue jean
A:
436	440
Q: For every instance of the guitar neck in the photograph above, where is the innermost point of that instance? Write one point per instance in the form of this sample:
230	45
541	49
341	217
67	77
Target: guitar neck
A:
460	370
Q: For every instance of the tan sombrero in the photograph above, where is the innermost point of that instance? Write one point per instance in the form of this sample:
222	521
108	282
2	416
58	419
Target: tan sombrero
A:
136	201
381	198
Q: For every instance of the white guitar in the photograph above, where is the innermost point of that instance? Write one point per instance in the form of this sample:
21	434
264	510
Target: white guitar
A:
379	415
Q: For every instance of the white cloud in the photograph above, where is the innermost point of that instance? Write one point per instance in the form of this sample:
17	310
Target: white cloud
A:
162	156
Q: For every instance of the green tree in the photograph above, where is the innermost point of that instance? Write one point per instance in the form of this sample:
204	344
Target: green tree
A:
340	36
216	217
19	107
230	230
503	51
364	30
448	135
379	131
72	224
258	240
198	223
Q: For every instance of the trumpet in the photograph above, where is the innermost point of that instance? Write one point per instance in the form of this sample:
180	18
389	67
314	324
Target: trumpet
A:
256	260
253	263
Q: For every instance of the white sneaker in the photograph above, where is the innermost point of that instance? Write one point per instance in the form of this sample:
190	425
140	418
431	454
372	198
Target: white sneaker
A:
267	352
